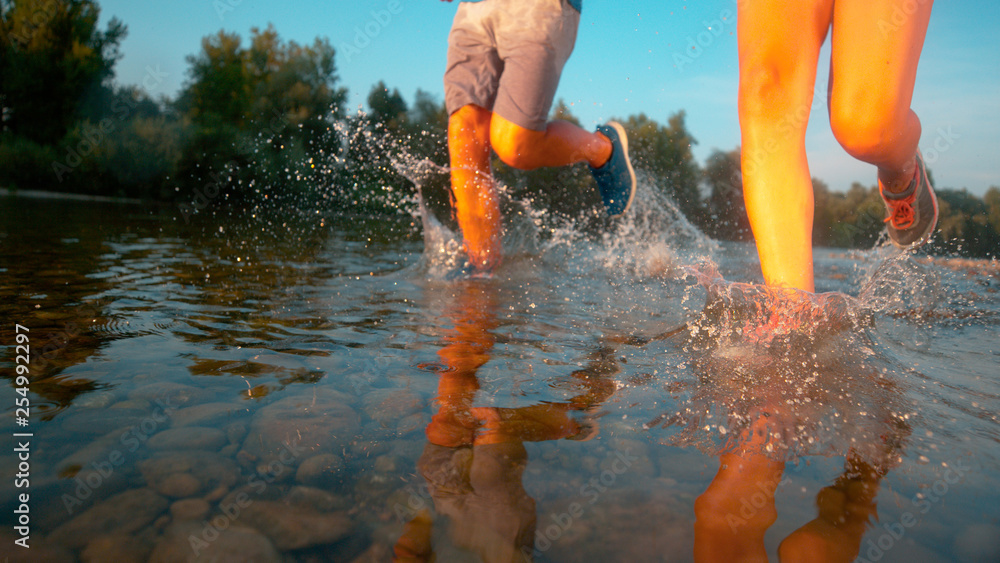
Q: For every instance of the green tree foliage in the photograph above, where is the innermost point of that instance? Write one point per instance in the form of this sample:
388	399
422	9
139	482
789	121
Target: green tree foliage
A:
64	126
129	148
266	117
259	112
370	179
964	226
854	219
387	109
725	209
665	153
219	92
51	56
992	201
428	125
822	215
428	112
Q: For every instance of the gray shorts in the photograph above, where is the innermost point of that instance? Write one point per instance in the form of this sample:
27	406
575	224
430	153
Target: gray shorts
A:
507	56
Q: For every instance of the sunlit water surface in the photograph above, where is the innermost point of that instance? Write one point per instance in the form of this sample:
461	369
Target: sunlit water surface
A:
332	388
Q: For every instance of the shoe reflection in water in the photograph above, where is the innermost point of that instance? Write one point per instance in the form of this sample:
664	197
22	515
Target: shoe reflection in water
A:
738	507
806	385
475	457
736	510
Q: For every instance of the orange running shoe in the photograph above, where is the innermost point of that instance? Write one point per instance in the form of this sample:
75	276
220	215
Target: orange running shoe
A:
913	213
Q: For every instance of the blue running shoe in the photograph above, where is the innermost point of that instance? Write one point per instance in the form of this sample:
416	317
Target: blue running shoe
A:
616	179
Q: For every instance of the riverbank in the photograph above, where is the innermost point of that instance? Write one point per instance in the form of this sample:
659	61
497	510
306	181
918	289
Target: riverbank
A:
41	194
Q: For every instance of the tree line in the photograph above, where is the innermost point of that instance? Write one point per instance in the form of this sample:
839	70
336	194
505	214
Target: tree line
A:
266	117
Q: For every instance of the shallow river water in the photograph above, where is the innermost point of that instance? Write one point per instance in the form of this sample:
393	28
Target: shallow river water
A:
241	389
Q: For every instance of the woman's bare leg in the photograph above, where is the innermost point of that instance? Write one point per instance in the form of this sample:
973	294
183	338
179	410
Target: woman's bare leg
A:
876	47
779	43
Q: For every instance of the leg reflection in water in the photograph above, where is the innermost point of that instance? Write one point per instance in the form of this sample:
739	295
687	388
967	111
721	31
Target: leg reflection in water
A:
737	508
733	514
846	509
767	392
475	457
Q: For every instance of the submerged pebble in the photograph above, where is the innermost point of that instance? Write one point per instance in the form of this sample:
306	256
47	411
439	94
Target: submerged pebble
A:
323	470
189	473
119	548
40	551
193	542
286	432
206	414
123	513
104	420
387	406
167	395
295	526
189	509
188	438
979	542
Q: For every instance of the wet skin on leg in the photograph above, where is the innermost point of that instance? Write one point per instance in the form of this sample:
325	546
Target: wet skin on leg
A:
475	202
872	73
779	43
472	132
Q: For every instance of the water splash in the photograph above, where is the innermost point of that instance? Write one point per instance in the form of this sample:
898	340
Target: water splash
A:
820	369
799	368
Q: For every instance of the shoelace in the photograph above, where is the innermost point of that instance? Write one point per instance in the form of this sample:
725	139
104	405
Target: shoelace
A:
902	215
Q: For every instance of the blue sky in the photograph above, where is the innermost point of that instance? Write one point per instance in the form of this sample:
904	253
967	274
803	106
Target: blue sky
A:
623	64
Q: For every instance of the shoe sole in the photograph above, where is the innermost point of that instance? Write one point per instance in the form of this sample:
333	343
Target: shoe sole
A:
623	139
